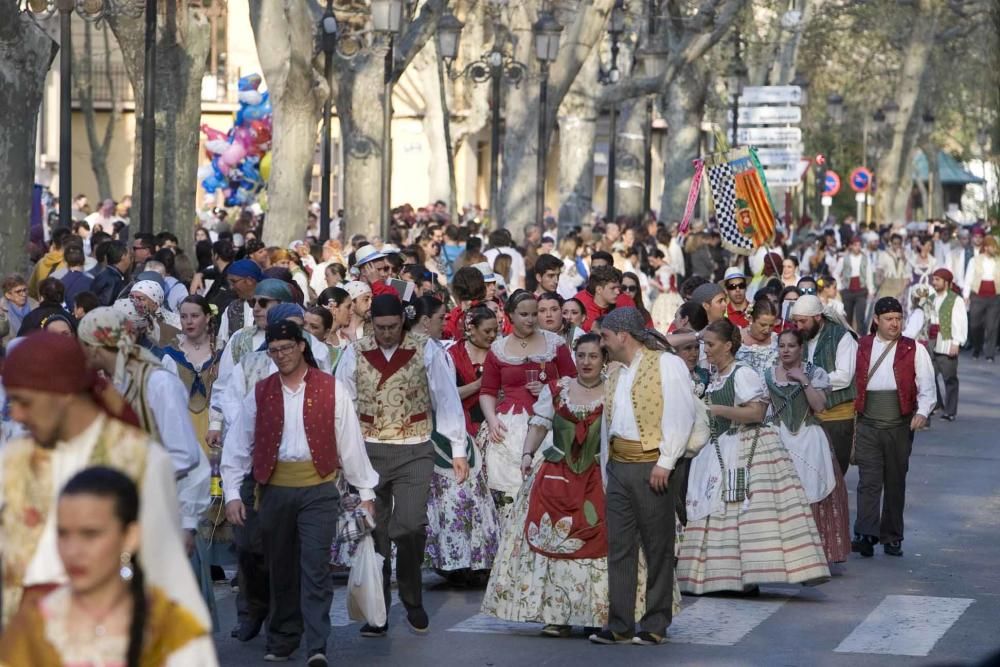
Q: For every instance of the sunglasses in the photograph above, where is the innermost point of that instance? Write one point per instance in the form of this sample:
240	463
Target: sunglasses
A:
260	301
807	290
735	286
630	288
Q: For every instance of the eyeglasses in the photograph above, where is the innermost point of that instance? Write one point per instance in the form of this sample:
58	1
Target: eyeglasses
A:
281	351
260	301
630	288
736	286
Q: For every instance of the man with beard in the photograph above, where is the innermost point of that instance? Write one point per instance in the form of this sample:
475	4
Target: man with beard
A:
833	348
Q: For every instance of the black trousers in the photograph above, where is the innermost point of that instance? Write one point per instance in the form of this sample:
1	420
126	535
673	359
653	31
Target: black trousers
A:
883	459
253	600
984	321
404	482
841	435
947	368
855	304
297	528
638	516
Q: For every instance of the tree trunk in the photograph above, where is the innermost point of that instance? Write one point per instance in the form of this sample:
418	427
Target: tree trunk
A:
577	137
359	108
284	31
426	67
893	186
631	158
684	105
83	77
783	69
182	44
26	53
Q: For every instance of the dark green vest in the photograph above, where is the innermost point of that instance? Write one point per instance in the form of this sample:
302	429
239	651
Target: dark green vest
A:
825	357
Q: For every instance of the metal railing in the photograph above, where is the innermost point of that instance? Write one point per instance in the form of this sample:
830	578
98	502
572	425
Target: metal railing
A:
110	85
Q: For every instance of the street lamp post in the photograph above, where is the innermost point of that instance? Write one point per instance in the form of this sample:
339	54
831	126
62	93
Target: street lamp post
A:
609	77
495	66
387	19
328	44
927	127
89	11
148	166
546	31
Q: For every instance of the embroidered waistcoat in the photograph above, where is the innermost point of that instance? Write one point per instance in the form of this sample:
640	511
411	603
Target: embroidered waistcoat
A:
647	399
393	396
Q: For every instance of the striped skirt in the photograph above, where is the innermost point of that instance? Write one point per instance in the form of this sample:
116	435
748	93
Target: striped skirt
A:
769	538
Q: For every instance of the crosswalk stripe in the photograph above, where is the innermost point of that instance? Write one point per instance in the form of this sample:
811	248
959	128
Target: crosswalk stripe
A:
711	621
905	625
489	625
720	621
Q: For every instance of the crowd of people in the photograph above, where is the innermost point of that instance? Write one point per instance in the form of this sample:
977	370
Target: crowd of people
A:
588	423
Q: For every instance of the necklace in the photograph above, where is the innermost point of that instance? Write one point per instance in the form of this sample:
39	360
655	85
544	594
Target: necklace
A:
99	628
523	341
589	386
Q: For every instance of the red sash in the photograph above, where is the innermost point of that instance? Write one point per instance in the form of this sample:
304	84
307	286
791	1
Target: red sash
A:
855	284
987	288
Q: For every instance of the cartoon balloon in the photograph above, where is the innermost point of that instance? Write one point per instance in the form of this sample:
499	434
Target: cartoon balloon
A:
233	154
211	134
216	146
249	82
250	97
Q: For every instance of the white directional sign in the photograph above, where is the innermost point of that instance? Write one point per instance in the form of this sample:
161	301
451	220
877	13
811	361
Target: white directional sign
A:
778	177
771	95
785	155
769	115
768	136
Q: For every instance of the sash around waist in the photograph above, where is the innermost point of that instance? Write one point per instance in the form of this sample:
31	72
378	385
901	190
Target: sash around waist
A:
631	451
298	474
412	419
882	409
839	412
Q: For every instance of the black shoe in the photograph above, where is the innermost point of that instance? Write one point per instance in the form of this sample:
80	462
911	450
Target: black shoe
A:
609	637
247	629
893	549
417	619
948	418
274	656
317	660
864	545
648	639
374	631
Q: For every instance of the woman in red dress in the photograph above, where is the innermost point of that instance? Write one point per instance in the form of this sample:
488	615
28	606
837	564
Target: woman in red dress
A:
520	365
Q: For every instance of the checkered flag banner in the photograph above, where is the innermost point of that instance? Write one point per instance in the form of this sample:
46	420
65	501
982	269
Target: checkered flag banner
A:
741	200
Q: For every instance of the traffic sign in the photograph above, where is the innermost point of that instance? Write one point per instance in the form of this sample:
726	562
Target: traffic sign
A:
768	136
782	176
861	179
771	95
831	186
768	115
827	201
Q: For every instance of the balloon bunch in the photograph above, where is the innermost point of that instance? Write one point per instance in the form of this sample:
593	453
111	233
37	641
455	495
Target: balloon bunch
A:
240	159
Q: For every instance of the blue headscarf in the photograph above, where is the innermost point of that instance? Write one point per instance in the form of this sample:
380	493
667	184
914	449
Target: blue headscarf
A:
283	311
246	268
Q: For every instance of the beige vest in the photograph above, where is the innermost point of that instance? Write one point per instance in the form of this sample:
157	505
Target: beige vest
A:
393	398
647	399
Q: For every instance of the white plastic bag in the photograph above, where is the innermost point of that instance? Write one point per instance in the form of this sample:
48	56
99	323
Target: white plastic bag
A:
365	599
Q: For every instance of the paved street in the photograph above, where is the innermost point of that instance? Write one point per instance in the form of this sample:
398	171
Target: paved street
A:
939	604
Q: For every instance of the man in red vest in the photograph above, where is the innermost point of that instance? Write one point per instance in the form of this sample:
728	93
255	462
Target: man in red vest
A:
294	431
894	378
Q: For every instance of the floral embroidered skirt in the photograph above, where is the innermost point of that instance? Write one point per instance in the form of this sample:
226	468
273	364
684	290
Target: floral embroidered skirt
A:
769	538
462	527
528	587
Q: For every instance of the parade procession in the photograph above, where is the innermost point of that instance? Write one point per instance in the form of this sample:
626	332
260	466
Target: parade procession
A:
461	332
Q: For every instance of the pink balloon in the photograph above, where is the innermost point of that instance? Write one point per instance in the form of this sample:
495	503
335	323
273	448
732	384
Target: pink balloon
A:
212	134
233	154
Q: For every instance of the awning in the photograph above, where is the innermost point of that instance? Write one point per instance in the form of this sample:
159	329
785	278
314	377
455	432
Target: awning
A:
950	170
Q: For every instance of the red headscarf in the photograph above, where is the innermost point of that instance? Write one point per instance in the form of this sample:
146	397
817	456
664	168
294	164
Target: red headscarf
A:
55	364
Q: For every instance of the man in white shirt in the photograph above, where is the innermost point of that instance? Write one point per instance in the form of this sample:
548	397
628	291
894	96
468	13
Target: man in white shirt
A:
894	378
856	280
104	217
643	437
403	385
949	328
983	299
285	437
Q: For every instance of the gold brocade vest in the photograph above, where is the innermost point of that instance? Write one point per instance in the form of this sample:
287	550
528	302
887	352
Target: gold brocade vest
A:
28	495
393	398
135	393
647	399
